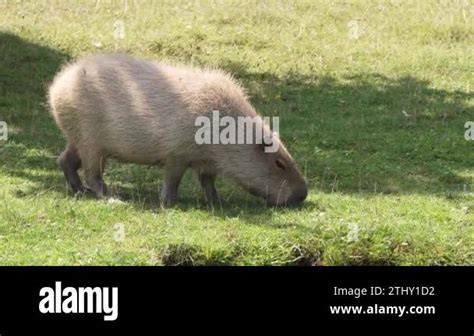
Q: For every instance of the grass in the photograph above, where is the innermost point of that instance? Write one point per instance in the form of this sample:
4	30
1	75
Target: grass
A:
372	98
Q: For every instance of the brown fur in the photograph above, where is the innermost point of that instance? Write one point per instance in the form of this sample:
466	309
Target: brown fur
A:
116	106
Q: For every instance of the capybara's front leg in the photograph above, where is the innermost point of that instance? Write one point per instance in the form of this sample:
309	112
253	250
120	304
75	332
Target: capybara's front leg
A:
207	183
174	171
94	166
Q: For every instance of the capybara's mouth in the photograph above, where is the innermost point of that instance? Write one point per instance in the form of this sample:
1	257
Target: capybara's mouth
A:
296	198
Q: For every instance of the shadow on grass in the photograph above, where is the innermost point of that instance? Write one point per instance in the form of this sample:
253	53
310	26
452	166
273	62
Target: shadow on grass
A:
363	134
26	69
367	133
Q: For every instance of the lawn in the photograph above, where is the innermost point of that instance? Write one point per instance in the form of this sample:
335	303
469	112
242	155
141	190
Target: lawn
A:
372	98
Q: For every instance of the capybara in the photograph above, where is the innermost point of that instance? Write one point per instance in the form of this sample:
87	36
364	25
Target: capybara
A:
138	111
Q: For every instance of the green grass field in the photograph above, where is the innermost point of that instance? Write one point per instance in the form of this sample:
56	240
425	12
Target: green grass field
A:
372	98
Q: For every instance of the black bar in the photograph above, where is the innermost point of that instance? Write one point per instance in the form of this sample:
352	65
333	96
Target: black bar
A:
238	298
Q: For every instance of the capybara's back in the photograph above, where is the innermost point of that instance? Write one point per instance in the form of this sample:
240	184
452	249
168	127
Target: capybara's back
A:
138	111
121	107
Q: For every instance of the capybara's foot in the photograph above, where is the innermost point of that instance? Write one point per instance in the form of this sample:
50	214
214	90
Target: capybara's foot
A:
168	201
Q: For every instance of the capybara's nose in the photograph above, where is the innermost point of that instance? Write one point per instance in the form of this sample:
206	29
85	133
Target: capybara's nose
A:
298	195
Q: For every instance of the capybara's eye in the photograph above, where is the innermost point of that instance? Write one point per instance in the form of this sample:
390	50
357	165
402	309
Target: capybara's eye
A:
280	164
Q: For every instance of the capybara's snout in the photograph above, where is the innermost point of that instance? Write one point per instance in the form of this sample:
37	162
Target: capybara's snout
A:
298	195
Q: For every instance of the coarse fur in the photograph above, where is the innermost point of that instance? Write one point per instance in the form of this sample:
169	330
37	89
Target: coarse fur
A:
138	111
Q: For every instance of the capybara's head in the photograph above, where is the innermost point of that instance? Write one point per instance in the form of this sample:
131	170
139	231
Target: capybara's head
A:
270	173
274	176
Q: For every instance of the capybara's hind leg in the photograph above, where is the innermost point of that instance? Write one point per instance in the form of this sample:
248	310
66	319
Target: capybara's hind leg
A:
174	171
93	166
70	162
207	183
